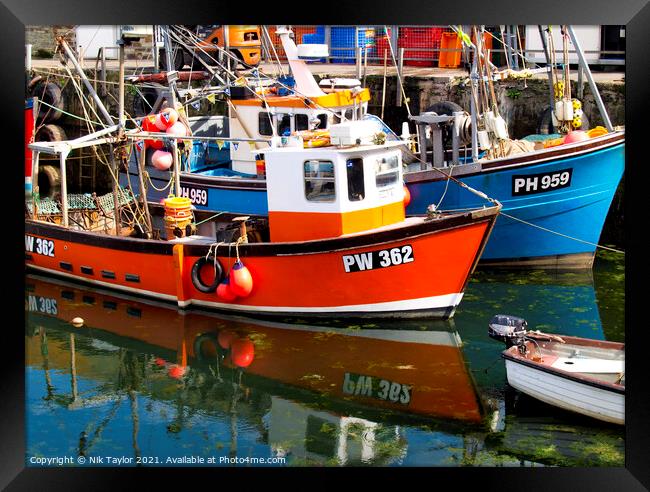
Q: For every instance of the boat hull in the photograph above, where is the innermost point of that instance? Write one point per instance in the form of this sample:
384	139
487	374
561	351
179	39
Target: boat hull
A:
600	403
342	277
575	213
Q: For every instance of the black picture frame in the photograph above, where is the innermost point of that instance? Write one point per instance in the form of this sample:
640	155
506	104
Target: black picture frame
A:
635	14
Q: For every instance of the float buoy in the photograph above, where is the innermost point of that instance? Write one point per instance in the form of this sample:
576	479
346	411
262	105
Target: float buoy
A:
77	322
149	125
196	274
166	118
162	160
176	371
160	362
576	136
224	291
242	352
241	281
407	197
178	129
225	338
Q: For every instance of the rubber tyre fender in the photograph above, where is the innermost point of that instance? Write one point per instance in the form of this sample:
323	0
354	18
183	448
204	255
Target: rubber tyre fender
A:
49	180
196	277
178	58
49	93
144	100
207	338
50	133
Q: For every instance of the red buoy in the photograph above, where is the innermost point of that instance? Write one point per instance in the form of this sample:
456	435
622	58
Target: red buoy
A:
576	136
407	197
178	129
149	125
160	362
224	291
225	338
166	118
241	281
243	352
162	160
176	371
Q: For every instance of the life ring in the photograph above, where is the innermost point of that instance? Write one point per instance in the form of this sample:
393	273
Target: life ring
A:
314	138
211	339
196	276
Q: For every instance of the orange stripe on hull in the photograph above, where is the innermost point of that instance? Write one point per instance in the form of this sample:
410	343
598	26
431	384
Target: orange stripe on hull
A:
306	226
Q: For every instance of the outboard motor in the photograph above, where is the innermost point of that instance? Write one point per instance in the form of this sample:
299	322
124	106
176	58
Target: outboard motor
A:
510	330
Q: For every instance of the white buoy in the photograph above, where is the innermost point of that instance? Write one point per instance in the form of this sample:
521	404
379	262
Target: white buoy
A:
77	322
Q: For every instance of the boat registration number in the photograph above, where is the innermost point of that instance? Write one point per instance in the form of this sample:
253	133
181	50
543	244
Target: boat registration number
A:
45	305
379	389
381	258
39	246
196	194
540	183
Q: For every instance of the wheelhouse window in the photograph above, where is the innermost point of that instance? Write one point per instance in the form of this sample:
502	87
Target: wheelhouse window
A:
319	181
323	121
265	124
284	125
356	187
302	122
386	171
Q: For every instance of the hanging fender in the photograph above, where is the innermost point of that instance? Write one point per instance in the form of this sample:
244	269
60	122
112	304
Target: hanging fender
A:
196	276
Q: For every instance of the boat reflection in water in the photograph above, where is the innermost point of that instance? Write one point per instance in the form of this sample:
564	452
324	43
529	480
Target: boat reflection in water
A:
246	388
142	379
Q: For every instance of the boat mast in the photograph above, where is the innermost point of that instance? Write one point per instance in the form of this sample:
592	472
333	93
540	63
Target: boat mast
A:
590	79
172	75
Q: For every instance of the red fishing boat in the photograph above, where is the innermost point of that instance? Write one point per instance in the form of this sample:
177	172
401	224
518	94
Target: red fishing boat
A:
335	242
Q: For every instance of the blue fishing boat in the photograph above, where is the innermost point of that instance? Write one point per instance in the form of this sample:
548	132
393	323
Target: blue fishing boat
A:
555	200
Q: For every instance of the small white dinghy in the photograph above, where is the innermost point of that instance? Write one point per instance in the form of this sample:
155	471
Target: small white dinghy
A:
577	374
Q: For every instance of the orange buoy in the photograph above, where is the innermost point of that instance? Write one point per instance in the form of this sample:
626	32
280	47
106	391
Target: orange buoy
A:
225	338
242	352
178	129
162	160
576	136
407	197
224	291
166	118
241	281
176	371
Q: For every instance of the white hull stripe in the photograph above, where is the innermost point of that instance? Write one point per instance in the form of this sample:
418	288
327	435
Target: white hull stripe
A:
444	301
434	302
